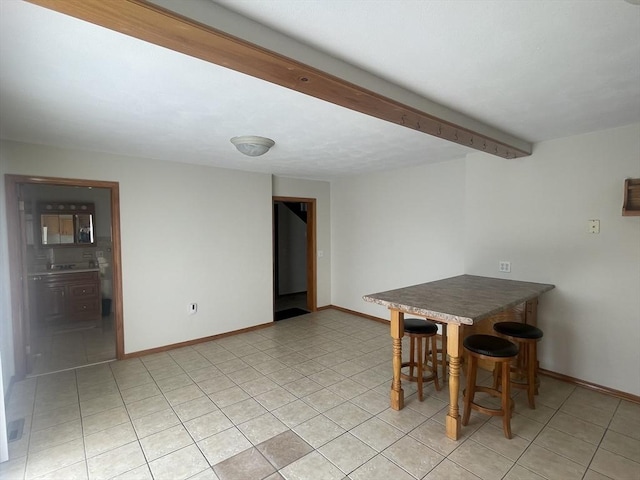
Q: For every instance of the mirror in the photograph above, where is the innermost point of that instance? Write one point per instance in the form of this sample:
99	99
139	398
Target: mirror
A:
58	226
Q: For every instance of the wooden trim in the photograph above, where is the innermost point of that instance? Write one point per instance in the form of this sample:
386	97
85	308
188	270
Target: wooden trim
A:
15	259
358	314
153	24
591	386
196	341
312	261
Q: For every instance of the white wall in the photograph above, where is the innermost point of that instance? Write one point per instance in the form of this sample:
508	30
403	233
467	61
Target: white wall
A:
393	229
533	212
178	244
321	191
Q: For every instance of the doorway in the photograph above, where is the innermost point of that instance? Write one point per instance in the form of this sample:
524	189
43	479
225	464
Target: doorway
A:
35	341
294	259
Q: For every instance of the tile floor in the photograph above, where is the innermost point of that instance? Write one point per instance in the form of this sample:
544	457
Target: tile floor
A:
305	399
60	347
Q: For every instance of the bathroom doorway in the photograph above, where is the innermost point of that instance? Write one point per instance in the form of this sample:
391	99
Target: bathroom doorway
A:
66	339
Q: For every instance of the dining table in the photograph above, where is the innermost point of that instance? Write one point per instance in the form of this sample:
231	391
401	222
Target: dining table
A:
455	301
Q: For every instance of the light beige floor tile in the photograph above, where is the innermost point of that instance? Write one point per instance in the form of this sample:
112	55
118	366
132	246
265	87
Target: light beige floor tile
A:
593	414
164	442
52	436
380	468
100	404
223	445
211	386
116	461
179	465
348	415
139	473
413	456
577	427
347	452
244	411
327	377
195	408
244	375
323	400
377	434
248	464
626	425
140	392
103	420
404	420
55	458
564	444
204	373
77	471
207	425
520	425
448	470
155	422
294	413
621	445
183	394
168	383
481	461
492	437
262	428
593	475
275	398
431	434
105	440
318	430
303	387
98	390
518	472
372	402
135	379
147	406
550	465
628	409
229	396
583	396
13	469
258	386
312	467
614	466
50	418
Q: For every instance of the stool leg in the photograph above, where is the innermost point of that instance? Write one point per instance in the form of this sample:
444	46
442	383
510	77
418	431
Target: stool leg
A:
411	354
531	373
506	399
471	387
434	361
420	369
496	376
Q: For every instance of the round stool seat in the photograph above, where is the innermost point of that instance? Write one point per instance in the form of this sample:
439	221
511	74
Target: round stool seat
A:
490	346
518	330
419	326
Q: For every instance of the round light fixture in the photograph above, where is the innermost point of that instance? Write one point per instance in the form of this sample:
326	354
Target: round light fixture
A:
252	146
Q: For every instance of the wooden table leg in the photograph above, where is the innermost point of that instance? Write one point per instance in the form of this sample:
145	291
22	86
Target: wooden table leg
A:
455	356
397	332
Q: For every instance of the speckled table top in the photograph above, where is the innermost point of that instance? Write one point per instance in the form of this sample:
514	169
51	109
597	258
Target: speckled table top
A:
465	299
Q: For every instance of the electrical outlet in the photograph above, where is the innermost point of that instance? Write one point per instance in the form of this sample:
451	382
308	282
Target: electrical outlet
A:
504	266
193	308
593	226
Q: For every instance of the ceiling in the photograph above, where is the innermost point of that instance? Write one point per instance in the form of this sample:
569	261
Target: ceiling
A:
537	70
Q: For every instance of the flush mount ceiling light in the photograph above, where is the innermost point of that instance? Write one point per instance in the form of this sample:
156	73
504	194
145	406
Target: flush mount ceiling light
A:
252	145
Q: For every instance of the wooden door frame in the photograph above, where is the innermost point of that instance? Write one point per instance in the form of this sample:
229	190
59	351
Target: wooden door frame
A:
16	260
312	263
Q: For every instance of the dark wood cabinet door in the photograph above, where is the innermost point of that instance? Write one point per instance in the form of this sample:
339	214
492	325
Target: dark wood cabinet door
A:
53	301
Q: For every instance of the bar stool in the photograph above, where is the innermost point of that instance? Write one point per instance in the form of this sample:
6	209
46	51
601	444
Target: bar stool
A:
526	368
417	330
442	351
501	352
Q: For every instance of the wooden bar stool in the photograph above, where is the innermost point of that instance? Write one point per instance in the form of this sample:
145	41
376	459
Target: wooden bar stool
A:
442	351
501	352
526	368
417	330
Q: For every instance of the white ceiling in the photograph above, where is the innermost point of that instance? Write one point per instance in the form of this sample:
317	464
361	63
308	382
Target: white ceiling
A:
538	69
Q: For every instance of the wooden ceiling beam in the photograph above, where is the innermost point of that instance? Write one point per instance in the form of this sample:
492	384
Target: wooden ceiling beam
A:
153	24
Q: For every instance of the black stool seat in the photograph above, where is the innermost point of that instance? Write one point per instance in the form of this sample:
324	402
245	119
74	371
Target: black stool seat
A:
516	329
490	346
419	326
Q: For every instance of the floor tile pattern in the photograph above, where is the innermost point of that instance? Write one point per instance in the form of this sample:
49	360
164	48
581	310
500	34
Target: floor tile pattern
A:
305	399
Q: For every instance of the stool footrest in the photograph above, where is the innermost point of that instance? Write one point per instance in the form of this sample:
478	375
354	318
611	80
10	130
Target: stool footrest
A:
488	410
